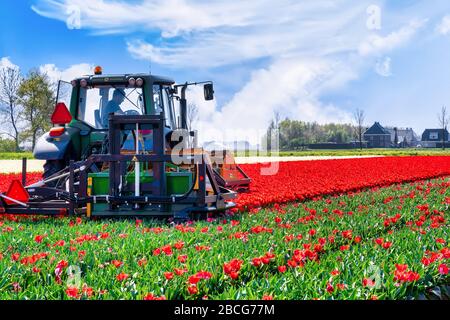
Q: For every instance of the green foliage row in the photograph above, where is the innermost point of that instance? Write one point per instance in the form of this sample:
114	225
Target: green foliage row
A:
121	246
15	155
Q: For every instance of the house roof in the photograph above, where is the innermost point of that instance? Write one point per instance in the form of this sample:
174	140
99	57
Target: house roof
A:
377	128
434	130
403	133
426	135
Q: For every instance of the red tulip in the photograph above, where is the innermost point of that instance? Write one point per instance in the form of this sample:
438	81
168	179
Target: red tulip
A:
87	291
193	279
387	245
142	262
256	262
151	296
116	263
368	282
72	292
234	275
330	288
179	272
443	269
204	275
282	269
335	272
179	245
192	290
122	276
168	275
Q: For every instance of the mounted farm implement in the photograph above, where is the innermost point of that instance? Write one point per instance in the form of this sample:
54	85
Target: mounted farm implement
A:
119	147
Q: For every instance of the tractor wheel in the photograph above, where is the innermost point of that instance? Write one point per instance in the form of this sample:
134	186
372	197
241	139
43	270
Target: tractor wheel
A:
51	167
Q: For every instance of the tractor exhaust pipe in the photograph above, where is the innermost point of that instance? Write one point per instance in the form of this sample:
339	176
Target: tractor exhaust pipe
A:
137	167
183	107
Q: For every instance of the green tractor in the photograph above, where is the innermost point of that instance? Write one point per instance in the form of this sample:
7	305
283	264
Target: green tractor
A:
120	146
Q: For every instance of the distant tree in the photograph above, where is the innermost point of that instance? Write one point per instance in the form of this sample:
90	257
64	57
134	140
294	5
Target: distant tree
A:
443	118
10	110
358	117
7	145
36	95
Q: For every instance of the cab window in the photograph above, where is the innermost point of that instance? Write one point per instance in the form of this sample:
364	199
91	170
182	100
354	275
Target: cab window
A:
96	103
163	102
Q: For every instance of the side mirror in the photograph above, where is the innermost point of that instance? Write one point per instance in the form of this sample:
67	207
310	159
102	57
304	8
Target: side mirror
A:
208	91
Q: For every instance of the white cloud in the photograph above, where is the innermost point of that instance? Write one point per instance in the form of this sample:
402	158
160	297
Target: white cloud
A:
53	72
72	72
212	33
6	63
383	67
249	112
176	17
444	26
172	17
376	44
297	34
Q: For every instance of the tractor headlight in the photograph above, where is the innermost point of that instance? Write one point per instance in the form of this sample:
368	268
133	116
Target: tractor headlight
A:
83	83
139	82
132	82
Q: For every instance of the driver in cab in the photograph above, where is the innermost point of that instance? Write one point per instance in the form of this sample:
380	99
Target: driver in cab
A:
113	106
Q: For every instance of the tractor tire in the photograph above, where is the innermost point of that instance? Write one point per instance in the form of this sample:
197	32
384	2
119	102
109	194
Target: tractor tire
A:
51	167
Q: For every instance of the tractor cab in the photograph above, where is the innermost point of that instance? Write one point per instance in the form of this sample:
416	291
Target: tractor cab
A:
81	117
98	96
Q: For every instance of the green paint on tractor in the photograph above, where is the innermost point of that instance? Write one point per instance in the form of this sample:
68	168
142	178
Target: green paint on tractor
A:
177	182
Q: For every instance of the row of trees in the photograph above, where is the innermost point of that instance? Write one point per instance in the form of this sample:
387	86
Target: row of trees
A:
26	105
295	134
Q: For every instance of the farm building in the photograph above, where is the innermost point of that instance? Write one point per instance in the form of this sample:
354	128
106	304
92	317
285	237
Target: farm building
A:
406	137
377	136
432	138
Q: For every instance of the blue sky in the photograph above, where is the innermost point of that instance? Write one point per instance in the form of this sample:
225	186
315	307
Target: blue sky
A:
307	60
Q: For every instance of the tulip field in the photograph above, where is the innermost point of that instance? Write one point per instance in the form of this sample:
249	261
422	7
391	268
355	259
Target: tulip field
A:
373	228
